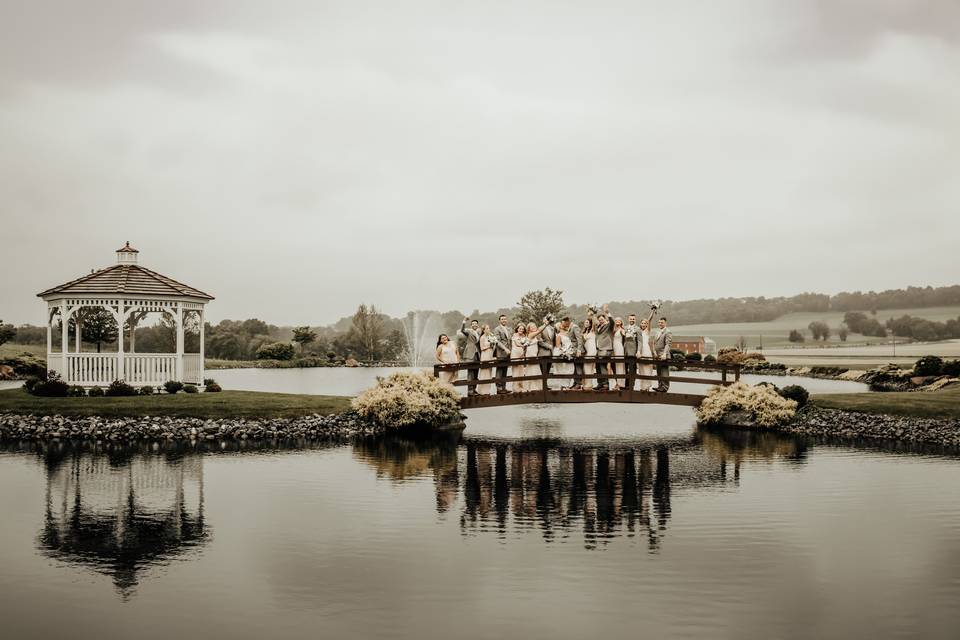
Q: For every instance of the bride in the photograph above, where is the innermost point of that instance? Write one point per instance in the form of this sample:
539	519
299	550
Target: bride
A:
563	349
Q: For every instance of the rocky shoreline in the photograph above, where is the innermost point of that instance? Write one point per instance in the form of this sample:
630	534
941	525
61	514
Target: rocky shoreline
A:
30	427
836	423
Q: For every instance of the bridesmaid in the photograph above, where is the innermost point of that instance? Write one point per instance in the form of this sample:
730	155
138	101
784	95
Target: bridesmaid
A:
532	348
486	355
618	352
646	351
447	354
518	351
590	351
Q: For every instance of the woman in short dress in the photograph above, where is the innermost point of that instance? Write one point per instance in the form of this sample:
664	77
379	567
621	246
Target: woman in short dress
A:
518	351
621	368
486	355
590	351
532	348
447	354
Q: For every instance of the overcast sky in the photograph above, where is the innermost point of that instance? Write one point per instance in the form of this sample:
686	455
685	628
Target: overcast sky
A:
296	158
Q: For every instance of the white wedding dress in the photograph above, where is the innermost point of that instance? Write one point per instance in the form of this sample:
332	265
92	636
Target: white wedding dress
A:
645	352
564	368
590	351
620	368
533	369
486	355
518	350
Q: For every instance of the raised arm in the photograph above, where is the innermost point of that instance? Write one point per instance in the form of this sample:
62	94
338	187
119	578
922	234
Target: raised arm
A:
463	327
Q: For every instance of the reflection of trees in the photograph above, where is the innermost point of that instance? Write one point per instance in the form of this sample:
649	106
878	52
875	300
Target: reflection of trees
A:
121	513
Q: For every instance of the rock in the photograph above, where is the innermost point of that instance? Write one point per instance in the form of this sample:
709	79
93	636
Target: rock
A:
739	418
6	372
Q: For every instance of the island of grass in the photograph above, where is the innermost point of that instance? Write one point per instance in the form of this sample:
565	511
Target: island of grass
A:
226	404
944	403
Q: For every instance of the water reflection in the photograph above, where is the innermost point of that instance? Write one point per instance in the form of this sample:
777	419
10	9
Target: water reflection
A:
562	490
122	511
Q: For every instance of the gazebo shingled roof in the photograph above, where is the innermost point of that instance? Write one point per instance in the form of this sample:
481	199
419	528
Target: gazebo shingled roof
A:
126	279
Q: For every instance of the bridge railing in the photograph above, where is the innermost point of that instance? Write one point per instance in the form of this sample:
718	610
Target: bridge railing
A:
729	372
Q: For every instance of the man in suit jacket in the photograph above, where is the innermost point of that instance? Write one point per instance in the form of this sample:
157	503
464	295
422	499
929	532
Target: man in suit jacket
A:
631	342
576	339
471	352
604	349
545	343
661	351
501	352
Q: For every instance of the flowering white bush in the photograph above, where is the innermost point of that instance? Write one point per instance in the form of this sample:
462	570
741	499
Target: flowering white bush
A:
765	406
407	398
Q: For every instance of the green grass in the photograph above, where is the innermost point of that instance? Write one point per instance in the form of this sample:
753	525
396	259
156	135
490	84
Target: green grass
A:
775	333
933	404
227	404
11	349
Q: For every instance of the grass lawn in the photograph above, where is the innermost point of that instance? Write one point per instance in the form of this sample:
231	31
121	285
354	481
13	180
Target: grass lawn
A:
226	404
11	350
932	404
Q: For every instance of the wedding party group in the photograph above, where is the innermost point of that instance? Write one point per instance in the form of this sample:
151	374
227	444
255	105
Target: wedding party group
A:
587	351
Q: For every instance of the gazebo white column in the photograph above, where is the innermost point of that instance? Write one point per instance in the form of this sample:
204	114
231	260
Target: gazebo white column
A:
64	339
119	316
179	320
202	351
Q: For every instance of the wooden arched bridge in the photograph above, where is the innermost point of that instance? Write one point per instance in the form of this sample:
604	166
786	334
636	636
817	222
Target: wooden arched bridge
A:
719	374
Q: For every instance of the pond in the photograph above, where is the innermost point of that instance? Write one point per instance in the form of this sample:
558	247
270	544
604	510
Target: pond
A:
540	522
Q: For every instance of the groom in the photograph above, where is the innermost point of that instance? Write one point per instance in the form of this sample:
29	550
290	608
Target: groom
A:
631	340
471	352
577	342
502	352
545	342
661	348
604	348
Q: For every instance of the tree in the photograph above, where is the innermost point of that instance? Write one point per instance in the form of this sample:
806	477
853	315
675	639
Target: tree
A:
304	336
536	305
275	351
7	332
819	330
98	326
227	346
796	336
366	334
842	332
855	321
741	343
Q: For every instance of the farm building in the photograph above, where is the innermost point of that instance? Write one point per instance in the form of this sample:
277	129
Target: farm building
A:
695	344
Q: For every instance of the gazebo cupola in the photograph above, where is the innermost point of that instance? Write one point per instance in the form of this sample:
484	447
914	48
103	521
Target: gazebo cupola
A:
127	292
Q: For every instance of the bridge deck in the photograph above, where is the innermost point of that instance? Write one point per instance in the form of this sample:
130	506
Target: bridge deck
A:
529	369
558	396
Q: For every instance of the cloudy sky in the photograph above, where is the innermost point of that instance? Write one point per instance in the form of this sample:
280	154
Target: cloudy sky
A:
297	158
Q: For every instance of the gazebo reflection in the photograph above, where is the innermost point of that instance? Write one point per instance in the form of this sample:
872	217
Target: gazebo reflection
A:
559	488
124	513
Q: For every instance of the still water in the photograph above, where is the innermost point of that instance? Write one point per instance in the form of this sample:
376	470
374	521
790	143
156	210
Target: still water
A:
562	521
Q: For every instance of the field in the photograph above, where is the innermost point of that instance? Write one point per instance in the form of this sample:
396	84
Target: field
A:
774	334
226	404
933	404
10	350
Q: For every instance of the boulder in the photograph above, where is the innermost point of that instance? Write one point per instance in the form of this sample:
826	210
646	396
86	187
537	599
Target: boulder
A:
6	372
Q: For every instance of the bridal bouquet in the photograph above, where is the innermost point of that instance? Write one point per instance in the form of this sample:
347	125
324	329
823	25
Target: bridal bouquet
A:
592	309
656	304
493	340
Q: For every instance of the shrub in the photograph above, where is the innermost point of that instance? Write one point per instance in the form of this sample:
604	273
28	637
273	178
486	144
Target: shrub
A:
677	354
189	388
710	359
694	357
172	386
213	387
76	391
30	383
951	368
408	398
95	392
796	393
928	366
209	381
26	365
796	336
120	388
276	351
146	390
52	387
764	405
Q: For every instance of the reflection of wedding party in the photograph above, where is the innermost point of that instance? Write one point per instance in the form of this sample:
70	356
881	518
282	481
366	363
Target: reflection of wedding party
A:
600	348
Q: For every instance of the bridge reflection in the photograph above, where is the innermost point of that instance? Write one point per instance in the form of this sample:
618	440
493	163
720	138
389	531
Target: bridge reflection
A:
563	490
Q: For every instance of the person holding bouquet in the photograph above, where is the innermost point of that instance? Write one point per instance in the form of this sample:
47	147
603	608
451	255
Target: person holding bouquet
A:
486	355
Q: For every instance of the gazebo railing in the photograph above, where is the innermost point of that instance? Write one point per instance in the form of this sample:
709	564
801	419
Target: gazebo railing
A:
90	368
100	369
191	368
149	368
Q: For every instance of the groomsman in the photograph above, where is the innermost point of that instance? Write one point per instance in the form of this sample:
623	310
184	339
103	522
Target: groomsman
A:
576	340
631	340
502	352
661	349
471	352
604	349
545	344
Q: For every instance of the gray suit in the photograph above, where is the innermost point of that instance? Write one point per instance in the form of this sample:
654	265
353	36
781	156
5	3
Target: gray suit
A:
576	338
502	353
545	343
661	351
471	353
630	350
604	351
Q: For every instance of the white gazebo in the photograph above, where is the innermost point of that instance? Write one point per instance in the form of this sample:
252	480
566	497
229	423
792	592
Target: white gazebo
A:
128	292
